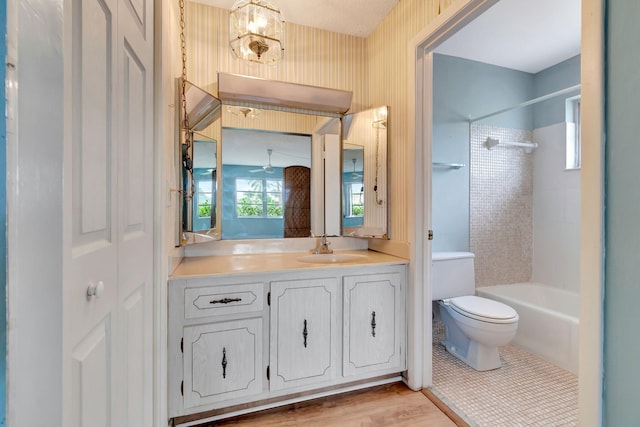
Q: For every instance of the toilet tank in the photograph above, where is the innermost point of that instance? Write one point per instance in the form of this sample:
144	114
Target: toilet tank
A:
452	275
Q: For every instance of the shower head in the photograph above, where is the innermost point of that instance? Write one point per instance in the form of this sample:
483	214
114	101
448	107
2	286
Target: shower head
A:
490	143
528	146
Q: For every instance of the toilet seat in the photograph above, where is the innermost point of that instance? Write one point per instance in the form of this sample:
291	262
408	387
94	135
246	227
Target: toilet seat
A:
483	309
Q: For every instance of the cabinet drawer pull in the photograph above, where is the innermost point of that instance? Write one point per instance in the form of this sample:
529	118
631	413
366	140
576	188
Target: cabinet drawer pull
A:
305	333
373	323
225	300
224	362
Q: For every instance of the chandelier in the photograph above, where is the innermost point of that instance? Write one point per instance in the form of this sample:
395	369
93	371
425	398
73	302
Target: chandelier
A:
256	30
246	112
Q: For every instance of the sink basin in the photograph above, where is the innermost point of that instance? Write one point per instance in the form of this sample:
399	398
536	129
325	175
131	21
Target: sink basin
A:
330	258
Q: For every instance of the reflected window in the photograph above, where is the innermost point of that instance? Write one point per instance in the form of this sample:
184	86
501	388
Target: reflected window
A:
258	198
204	198
354	199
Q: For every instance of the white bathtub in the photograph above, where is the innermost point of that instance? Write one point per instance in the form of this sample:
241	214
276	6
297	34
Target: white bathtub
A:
548	325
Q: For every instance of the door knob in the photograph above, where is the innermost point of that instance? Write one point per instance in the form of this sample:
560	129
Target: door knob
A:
95	290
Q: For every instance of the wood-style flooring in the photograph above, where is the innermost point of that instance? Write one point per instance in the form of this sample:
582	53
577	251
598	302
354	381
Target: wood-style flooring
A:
389	405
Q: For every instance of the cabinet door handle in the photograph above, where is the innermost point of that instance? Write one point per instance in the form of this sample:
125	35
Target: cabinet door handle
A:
305	333
225	300
224	362
373	323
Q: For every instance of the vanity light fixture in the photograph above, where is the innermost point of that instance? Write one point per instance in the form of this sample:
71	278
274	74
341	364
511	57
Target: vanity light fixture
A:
256	30
246	112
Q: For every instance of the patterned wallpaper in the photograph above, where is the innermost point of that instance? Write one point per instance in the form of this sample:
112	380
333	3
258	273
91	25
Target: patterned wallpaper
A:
312	56
375	69
501	206
387	55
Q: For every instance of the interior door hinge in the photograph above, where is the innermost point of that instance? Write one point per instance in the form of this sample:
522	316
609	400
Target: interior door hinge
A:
181	345
182	388
268	373
430	234
268	298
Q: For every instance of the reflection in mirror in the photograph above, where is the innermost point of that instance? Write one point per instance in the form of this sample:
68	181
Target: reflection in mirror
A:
198	150
271	184
364	174
266	184
353	186
203	215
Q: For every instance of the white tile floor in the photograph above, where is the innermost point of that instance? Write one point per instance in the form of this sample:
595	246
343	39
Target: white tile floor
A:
525	391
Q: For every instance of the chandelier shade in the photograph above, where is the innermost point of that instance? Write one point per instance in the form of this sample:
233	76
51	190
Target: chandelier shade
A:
256	31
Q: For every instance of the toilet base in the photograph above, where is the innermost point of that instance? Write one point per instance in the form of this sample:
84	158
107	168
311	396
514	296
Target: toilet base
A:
479	356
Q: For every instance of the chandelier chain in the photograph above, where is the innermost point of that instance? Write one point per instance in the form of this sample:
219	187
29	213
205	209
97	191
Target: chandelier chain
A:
183	50
186	158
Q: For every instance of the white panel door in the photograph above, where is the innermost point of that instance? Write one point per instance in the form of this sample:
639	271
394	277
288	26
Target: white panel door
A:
303	332
135	210
108	222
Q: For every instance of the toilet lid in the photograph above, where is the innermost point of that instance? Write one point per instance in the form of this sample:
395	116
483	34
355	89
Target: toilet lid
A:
483	309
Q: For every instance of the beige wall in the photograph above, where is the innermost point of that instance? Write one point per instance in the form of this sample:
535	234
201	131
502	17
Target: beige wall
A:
312	56
387	70
374	69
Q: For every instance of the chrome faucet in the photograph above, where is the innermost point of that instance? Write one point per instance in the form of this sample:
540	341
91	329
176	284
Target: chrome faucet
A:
323	247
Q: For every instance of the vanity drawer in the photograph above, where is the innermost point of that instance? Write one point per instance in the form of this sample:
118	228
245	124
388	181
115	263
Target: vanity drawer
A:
223	300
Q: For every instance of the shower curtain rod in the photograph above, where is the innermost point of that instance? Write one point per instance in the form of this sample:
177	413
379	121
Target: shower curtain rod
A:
527	103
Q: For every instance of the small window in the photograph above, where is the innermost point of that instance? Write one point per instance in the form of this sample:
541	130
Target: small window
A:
354	197
259	198
573	133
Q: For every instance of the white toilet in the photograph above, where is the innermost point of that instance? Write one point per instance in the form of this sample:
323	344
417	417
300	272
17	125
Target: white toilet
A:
475	326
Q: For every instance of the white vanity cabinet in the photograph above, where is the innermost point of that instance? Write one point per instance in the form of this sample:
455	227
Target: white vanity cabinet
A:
243	340
304	319
216	342
373	337
221	361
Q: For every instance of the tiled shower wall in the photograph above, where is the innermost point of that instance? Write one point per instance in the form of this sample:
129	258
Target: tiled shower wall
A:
501	206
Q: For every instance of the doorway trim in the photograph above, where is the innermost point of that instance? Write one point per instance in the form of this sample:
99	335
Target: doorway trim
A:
420	94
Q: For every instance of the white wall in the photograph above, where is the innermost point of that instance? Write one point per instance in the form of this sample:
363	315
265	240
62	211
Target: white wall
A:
556	212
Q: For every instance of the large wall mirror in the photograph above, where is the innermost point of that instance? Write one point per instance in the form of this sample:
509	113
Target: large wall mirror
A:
264	172
364	173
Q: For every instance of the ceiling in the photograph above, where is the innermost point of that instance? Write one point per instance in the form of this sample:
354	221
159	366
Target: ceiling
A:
249	147
523	35
353	17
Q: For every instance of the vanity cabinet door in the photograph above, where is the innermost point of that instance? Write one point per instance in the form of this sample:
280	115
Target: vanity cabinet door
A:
373	316
222	361
304	331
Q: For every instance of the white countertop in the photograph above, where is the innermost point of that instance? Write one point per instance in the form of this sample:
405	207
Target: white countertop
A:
254	263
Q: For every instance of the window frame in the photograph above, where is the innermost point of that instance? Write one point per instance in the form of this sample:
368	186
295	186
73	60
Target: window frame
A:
348	196
198	193
573	144
263	194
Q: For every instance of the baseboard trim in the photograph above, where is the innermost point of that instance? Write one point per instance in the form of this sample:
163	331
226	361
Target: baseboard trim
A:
453	416
189	420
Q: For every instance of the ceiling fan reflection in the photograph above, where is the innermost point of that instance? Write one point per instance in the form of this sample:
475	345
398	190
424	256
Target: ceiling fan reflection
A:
266	168
354	174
